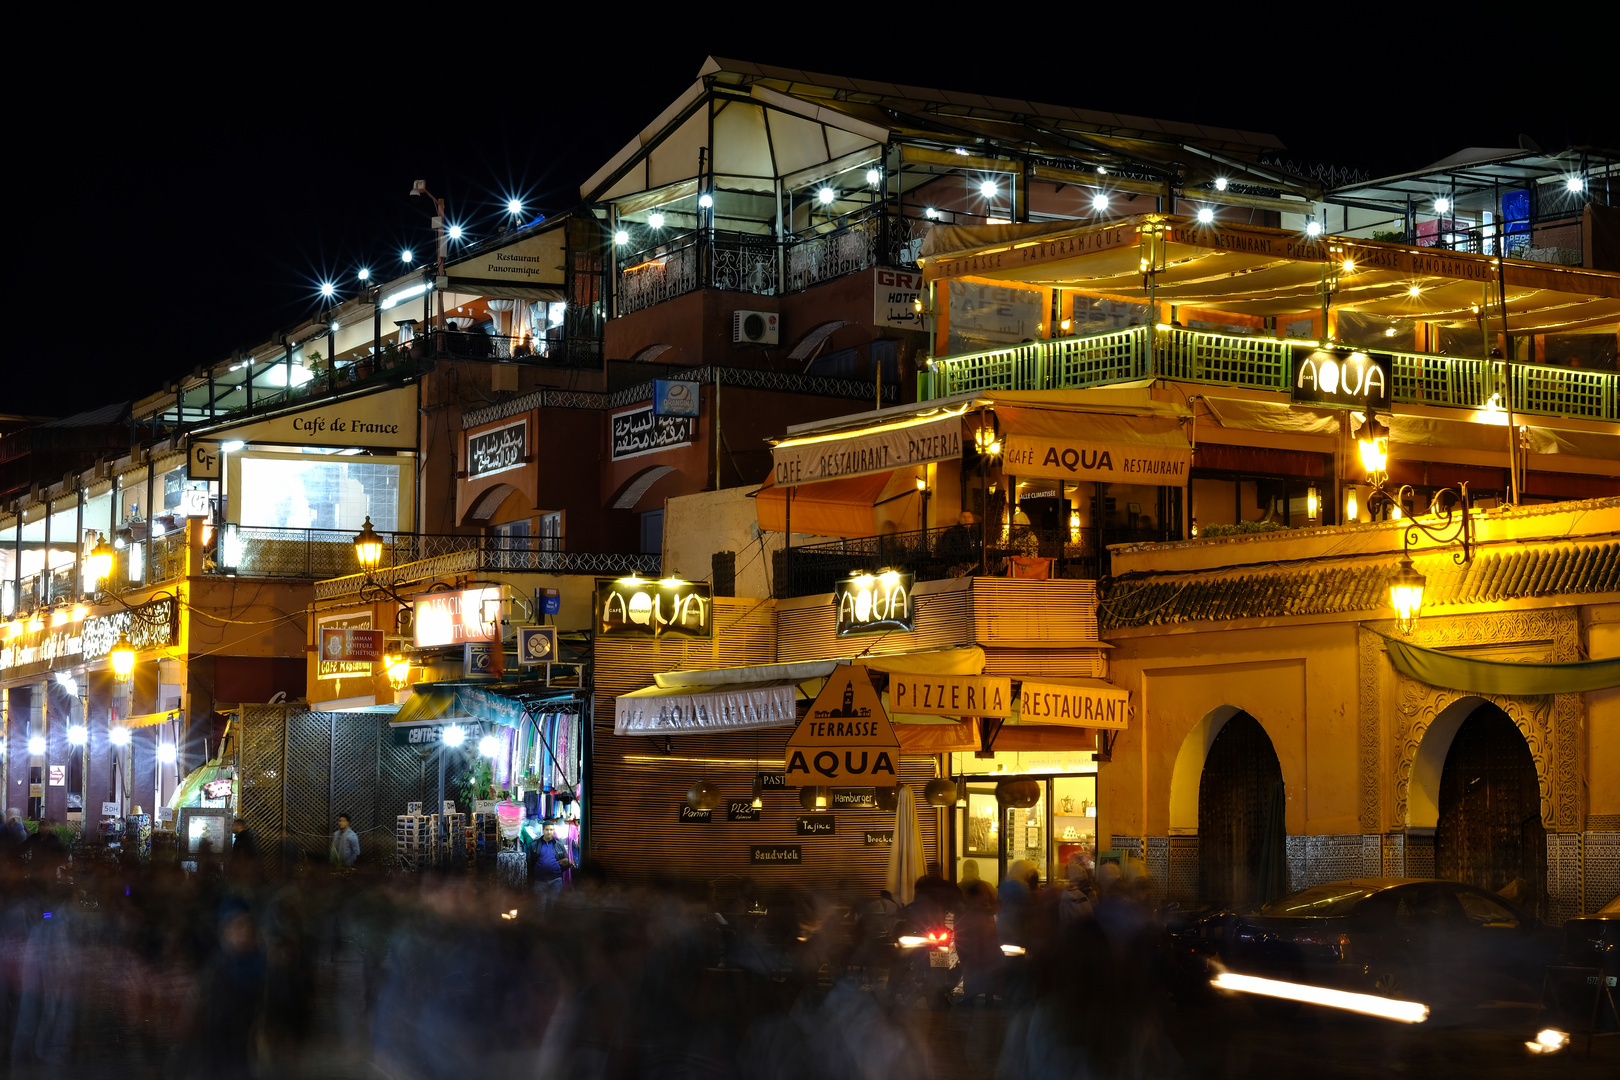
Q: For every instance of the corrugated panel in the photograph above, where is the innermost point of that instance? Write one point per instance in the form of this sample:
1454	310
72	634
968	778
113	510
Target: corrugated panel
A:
637	788
944	619
1026	663
1005	609
638	791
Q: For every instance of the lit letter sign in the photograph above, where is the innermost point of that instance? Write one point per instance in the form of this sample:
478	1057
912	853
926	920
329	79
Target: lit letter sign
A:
1345	377
634	607
879	603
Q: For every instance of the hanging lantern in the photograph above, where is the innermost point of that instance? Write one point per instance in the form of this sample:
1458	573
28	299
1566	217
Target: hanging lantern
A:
813	798
940	792
1406	595
1020	794
887	798
702	796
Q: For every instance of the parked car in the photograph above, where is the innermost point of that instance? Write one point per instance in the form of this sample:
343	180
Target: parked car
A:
1452	946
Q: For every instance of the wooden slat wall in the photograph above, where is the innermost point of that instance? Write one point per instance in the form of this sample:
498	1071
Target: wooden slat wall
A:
637	788
1007	609
1028	663
943	618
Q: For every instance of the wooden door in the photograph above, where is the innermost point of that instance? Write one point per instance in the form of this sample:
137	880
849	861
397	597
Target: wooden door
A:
1241	840
1489	833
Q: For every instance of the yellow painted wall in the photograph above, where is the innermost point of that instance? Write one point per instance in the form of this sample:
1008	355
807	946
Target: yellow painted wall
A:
1603	715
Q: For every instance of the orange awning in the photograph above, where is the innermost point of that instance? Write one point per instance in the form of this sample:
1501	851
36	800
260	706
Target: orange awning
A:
937	738
840	507
1031	738
149	719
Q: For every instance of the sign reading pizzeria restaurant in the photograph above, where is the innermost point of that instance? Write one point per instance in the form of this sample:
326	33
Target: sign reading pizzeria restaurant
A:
495	450
1070	705
846	735
950	695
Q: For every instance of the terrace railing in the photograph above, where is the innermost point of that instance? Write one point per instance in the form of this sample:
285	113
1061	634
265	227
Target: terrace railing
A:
1262	363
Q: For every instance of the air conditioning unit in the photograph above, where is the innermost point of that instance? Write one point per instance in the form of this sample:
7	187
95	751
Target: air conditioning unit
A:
755	327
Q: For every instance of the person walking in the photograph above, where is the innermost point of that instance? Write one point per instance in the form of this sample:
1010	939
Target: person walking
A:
548	860
345	844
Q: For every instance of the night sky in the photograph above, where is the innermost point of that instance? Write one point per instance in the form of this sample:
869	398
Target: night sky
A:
186	187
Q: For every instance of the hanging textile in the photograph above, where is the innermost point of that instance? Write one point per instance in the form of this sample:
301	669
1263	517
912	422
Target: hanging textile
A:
1500	677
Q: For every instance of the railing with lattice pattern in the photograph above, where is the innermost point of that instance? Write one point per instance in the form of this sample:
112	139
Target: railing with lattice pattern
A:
1263	363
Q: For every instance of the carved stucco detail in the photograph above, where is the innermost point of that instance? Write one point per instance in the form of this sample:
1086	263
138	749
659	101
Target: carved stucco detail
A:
1371	666
1550	724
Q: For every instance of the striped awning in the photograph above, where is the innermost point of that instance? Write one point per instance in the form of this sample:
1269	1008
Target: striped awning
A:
150	719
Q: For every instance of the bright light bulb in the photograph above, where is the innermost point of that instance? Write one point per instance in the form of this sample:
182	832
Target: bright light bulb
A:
1575	183
1442	205
1205	215
78	735
364	275
1099	201
621	237
489	746
1414	290
455	232
988	189
118	736
874	177
1220	183
930	213
1349	266
705	200
165	753
513	206
655	220
1313	228
333	327
453	736
826	195
36	744
405	256
328	289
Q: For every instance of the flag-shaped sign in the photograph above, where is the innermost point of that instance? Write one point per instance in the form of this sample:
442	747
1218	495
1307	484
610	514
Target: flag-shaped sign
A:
845	737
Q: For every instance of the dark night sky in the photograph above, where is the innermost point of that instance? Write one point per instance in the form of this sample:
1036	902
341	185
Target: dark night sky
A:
182	198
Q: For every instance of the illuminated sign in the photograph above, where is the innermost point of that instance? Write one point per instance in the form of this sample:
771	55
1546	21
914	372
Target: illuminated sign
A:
879	603
455	618
950	695
1348	378
1074	459
341	667
497	449
635	607
537	645
845	736
346	643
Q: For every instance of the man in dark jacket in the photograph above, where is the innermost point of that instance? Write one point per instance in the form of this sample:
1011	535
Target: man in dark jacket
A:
548	861
937	897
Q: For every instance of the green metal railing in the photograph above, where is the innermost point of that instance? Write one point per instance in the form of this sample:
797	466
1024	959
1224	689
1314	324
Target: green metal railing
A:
1262	363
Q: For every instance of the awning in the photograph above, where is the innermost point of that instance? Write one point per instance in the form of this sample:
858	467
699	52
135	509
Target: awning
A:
914	437
830	508
448	704
744	706
951	661
1273	416
150	719
755	673
1093	446
426	705
1455	672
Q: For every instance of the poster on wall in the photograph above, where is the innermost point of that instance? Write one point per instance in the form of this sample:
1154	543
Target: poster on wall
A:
341	665
643	431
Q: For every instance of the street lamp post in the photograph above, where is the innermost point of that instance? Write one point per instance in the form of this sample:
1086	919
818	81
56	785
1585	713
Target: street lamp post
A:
420	188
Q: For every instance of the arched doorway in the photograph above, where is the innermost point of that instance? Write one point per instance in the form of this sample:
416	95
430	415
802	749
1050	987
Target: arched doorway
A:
1489	831
1242	857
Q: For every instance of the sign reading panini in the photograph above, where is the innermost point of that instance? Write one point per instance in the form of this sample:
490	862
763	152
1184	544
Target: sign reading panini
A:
1063	705
845	736
950	695
1032	455
828	458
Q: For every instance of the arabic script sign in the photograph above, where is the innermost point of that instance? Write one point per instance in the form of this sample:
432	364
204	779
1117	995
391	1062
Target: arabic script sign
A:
641	431
497	449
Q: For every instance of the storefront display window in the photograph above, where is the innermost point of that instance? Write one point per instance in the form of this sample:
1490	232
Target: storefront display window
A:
1061	824
298	493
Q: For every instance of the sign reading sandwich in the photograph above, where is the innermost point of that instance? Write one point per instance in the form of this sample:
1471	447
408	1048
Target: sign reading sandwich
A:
845	737
1073	459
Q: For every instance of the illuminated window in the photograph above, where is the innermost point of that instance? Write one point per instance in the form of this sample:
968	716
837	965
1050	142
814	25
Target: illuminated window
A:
293	493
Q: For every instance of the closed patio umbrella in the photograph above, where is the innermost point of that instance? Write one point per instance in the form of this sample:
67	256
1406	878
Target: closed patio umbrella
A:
906	855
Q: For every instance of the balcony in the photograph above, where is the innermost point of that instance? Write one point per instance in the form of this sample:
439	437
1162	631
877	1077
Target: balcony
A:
1262	363
937	554
327	556
759	264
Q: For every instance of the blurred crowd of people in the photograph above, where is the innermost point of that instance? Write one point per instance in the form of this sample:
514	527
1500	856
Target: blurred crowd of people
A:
229	968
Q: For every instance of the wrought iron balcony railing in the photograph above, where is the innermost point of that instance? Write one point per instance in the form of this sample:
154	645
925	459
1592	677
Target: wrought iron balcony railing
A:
937	554
1262	363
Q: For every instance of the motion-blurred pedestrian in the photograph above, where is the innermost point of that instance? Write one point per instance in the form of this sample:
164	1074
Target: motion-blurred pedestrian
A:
345	847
